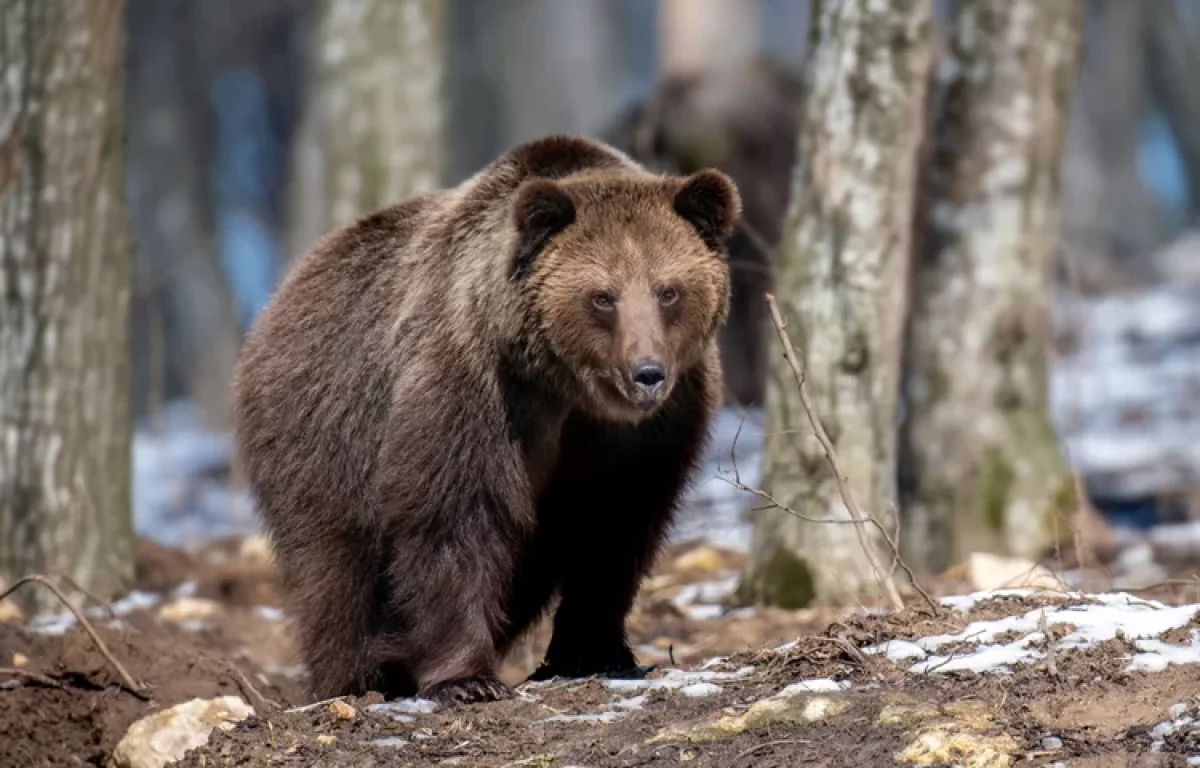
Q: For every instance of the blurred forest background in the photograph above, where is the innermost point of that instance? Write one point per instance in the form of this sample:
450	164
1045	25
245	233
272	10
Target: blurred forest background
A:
255	126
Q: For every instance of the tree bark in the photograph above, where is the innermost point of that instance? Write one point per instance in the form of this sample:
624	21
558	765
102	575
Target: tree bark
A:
373	128
65	279
981	465
842	289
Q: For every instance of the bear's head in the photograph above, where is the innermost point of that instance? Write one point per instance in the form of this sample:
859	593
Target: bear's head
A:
626	277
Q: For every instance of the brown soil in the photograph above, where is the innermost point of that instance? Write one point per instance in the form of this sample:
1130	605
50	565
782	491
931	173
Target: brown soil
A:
217	639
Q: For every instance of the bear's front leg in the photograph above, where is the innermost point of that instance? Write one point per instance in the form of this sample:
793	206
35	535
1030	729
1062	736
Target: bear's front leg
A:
448	578
589	640
598	591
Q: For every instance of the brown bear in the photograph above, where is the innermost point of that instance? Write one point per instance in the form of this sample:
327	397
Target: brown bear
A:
459	406
744	121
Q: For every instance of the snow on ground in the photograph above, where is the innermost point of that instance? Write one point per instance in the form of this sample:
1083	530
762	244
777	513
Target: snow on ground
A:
1126	400
1091	619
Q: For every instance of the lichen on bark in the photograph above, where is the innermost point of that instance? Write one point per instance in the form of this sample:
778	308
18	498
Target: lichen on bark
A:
373	128
842	285
981	462
65	281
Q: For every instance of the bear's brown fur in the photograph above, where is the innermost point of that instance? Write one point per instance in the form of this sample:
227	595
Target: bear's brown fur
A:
439	415
743	121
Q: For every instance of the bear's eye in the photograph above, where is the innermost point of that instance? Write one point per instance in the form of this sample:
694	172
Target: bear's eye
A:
668	296
603	300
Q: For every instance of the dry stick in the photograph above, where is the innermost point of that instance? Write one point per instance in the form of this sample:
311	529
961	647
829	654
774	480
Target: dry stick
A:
133	687
789	354
27	675
773	503
112	613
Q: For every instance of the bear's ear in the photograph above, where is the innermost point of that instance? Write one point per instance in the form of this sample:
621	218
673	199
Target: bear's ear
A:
541	210
710	202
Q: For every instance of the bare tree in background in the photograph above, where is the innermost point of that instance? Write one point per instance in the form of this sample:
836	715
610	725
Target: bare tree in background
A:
842	284
981	466
65	275
374	125
183	292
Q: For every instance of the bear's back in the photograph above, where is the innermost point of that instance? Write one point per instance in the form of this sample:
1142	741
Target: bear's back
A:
315	375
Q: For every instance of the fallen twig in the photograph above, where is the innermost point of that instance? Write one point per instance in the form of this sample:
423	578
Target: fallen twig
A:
133	687
27	675
789	353
1044	628
768	745
250	691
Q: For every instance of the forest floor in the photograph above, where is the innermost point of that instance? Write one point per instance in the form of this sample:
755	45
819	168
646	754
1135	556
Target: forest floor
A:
997	679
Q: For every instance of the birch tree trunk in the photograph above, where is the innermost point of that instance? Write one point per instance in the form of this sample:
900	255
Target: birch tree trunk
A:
982	467
842	287
373	128
65	275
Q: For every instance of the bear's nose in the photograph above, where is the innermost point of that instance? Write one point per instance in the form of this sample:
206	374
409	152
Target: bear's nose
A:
649	375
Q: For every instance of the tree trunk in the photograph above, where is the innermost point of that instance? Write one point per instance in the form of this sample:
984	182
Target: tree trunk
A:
374	124
65	274
981	463
841	284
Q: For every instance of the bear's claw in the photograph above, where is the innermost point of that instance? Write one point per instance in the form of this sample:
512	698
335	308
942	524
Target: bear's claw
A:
468	690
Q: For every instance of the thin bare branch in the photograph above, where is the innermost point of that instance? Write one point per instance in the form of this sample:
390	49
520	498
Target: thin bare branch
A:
789	352
133	687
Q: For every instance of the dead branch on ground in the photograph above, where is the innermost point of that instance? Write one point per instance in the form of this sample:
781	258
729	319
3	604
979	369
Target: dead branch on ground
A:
134	688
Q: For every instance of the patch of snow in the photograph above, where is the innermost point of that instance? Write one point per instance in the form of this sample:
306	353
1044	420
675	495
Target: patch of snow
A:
186	589
967	603
411	706
1156	655
269	612
631	703
59	623
699	690
815	685
897	650
676	679
592	717
703	612
1102	617
708	591
387	741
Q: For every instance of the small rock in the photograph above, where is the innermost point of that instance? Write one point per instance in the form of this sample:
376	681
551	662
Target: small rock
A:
256	547
165	736
1052	743
326	739
703	558
775	710
186	609
988	571
19	660
9	612
946	746
342	711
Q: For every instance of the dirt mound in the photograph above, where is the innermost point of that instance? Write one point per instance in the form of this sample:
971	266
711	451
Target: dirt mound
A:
70	707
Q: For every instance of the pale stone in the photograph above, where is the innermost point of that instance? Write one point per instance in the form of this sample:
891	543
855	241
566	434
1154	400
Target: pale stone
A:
164	737
188	609
988	571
